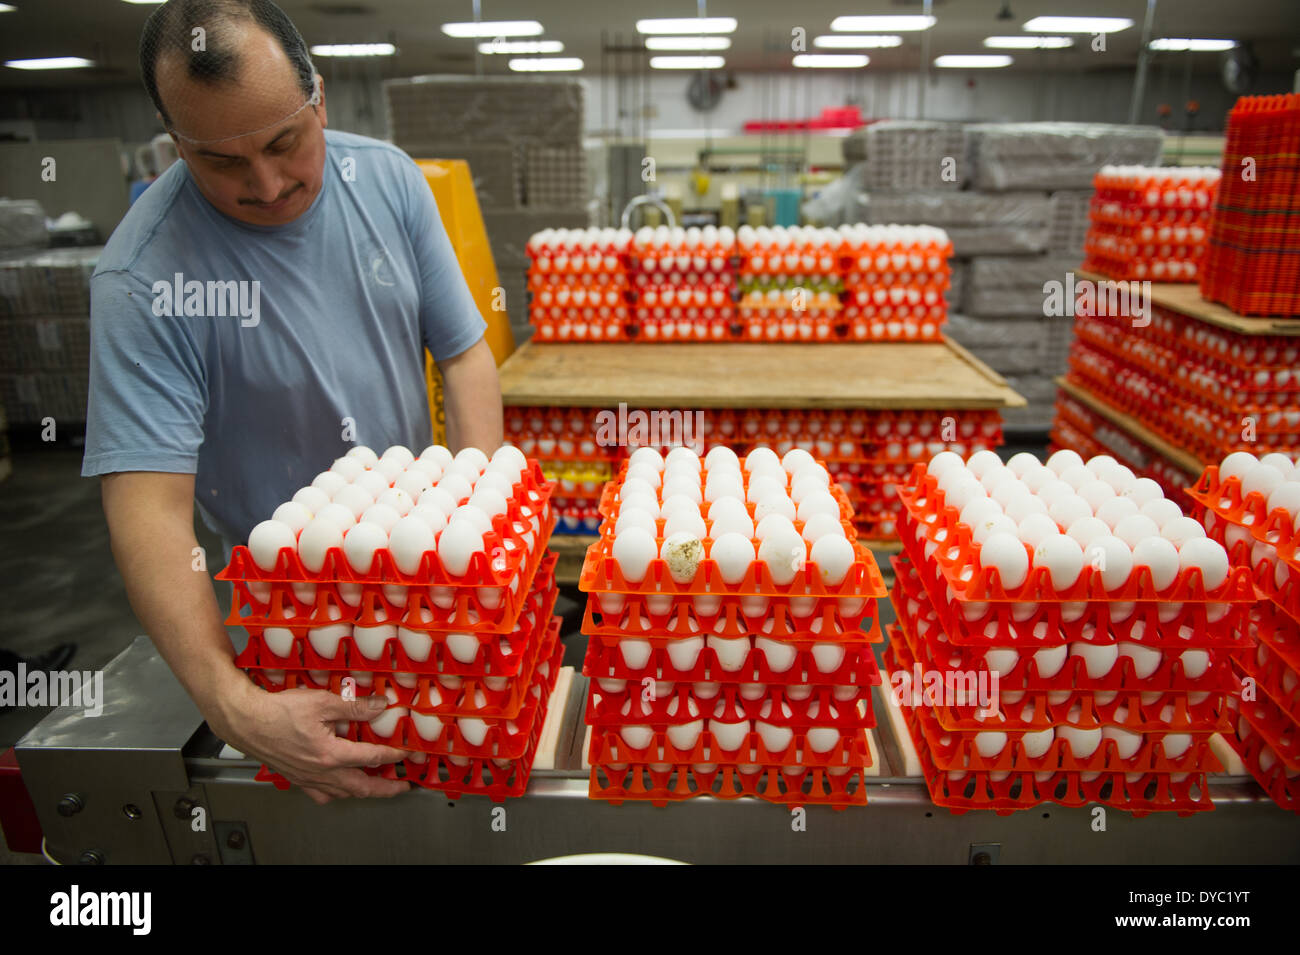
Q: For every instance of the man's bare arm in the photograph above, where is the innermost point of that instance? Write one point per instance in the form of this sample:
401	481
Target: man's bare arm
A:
472	399
151	524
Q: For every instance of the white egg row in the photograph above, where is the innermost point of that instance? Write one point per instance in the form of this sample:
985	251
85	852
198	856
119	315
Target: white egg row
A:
372	641
1083	743
1098	659
365	504
733	652
429	726
730	735
1067	507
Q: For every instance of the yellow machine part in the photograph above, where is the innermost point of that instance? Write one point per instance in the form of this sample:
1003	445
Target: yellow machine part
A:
453	190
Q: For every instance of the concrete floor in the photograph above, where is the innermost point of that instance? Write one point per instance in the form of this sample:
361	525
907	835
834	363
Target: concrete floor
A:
58	583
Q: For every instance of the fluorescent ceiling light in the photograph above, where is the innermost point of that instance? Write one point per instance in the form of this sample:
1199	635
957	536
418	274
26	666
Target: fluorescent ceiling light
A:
6	8
688	43
1198	46
491	28
50	63
1078	24
354	49
972	61
885	24
688	25
1027	42
687	62
849	41
831	61
521	47
557	64
138	1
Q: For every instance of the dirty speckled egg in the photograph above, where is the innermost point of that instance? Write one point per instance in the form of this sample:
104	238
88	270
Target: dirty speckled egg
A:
682	552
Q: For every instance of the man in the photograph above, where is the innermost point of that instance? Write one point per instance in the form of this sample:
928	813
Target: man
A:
261	308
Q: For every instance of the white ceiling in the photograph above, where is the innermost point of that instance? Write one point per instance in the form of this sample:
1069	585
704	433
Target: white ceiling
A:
108	30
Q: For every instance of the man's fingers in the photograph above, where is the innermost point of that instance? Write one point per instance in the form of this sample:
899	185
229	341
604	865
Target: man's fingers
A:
316	796
350	753
362	709
356	783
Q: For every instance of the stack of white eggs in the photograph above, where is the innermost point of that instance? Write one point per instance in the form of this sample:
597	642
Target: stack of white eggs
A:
681	536
434	563
1252	505
1057	527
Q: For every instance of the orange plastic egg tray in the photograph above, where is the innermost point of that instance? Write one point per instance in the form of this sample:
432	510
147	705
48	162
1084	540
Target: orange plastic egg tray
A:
637	704
789	786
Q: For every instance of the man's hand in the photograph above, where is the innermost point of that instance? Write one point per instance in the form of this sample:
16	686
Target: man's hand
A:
292	732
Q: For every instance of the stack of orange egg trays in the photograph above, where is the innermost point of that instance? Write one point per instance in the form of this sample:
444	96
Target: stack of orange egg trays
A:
578	284
682	290
1266	542
867	452
895	278
1070	726
467	663
728	689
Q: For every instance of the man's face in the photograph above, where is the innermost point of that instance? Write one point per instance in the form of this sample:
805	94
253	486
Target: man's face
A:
272	171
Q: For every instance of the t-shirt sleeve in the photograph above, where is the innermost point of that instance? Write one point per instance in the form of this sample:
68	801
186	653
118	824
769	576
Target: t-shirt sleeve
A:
449	318
148	386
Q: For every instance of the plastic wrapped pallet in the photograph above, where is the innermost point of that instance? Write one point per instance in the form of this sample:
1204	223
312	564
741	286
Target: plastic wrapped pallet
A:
48	282
509	231
977	223
957	281
48	343
903	155
30	398
1007	286
22	224
555	176
426	109
1069	224
1007	156
495	169
1007	345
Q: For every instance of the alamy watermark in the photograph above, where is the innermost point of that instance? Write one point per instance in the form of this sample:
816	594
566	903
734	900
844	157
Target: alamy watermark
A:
931	688
1130	299
191	298
637	428
84	689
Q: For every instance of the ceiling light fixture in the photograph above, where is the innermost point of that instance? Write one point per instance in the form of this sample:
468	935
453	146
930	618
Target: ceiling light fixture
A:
558	64
492	28
1196	46
520	47
882	24
1027	42
688	25
687	62
850	41
354	49
831	61
688	43
1078	24
972	61
50	63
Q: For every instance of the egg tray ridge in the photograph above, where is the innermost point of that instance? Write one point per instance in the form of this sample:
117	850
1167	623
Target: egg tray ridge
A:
1276	659
605	659
1282	789
960	754
1188	629
420	611
784	786
503	702
970	581
1277	582
827	620
1034	712
1169	677
605	709
1274	725
478	776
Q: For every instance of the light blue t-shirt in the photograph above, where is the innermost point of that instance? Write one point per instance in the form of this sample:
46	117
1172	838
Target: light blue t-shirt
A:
252	356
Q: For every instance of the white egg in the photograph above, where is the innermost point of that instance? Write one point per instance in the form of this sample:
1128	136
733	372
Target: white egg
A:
643	478
1142	491
494	481
325	640
775	504
721	456
1009	489
1126	741
1181	530
1082	742
316	539
412	483
1050	660
1036	479
389	469
471	515
1100	463
427	466
1176	745
943	462
1005	553
784	553
1136	528
1035	527
981	462
1117	509
795	458
372	483
733	554
955	475
1162	511
821	525
488	501
1054	490
430	513
1160	557
962	492
978	510
1066	510
1208	557
360	544
1281	462
1062	460
731	651
1021	507
1096	493
1087	529
455	485
408	541
1286	497
313	498
329	482
398	500
808	482
771	524
633	550
686	456
1036	744
647	456
279	640
997	524
1112	558
338	515
1022	463
1063	558
439	498
819	502
437	453
471	456
1145	659
685	521
776	736
381	515
1262	479
457	543
995	475
761	456
355	498
1195	663
1077	475
1001	660
723	484
267	539
833	557
363	454
1098	658
370	641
